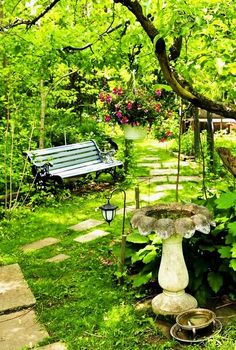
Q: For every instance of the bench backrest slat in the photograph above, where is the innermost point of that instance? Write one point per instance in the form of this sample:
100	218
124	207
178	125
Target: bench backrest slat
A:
67	156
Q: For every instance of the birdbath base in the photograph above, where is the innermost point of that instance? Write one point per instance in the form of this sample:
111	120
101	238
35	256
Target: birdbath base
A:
172	303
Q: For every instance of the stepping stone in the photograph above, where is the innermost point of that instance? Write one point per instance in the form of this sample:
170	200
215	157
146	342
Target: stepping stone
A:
127	210
149	165
152	159
169	178
161	172
20	329
14	290
168	187
91	236
58	258
55	346
85	225
153	197
40	244
175	164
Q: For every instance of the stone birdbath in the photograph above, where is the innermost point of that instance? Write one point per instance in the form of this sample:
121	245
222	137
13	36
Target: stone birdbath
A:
172	222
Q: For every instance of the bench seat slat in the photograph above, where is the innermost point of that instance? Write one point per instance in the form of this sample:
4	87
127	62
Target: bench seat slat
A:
74	165
84	170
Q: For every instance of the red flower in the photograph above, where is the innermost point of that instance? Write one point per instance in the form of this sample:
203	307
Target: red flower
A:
158	93
129	105
108	98
101	97
107	118
115	90
169	133
124	120
119	114
119	91
158	107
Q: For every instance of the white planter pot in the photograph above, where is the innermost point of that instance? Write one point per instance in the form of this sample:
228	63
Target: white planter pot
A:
135	132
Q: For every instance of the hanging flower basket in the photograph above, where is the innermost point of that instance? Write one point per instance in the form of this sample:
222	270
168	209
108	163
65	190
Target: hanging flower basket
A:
135	132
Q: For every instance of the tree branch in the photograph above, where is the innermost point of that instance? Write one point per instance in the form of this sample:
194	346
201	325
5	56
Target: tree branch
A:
109	30
185	91
29	23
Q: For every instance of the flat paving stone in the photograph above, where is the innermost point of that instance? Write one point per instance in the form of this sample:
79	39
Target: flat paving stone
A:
169	171
86	225
168	187
39	244
55	346
152	159
153	197
149	165
20	329
91	236
14	290
58	258
170	178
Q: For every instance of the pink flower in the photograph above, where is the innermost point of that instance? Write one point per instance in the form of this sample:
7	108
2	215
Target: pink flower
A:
129	105
145	110
119	114
101	97
115	90
169	113
124	120
107	118
108	98
158	93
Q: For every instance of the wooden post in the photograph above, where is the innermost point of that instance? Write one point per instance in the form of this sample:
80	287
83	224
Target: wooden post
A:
137	197
210	141
196	131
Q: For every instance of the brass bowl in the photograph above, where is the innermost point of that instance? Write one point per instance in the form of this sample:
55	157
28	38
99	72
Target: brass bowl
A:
195	319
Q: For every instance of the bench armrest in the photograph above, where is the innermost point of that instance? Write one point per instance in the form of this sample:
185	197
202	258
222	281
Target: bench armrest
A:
42	169
107	157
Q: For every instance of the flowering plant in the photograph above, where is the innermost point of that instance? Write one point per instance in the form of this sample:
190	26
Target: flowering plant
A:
137	109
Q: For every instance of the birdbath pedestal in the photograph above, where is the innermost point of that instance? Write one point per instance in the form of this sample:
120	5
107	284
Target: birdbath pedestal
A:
172	222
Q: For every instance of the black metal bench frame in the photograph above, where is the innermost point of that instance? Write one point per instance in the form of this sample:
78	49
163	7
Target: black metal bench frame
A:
52	166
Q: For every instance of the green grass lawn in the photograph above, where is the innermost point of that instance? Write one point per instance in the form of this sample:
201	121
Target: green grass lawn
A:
79	300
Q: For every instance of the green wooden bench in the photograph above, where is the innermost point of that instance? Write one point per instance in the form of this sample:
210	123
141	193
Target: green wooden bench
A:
51	166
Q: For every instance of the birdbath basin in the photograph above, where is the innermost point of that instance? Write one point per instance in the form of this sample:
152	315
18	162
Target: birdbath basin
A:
172	222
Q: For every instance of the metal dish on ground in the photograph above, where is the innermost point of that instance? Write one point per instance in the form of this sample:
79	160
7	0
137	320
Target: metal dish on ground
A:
202	335
195	319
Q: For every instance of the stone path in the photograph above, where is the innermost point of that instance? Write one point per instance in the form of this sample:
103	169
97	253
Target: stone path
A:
58	258
85	225
14	290
91	236
40	244
20	329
